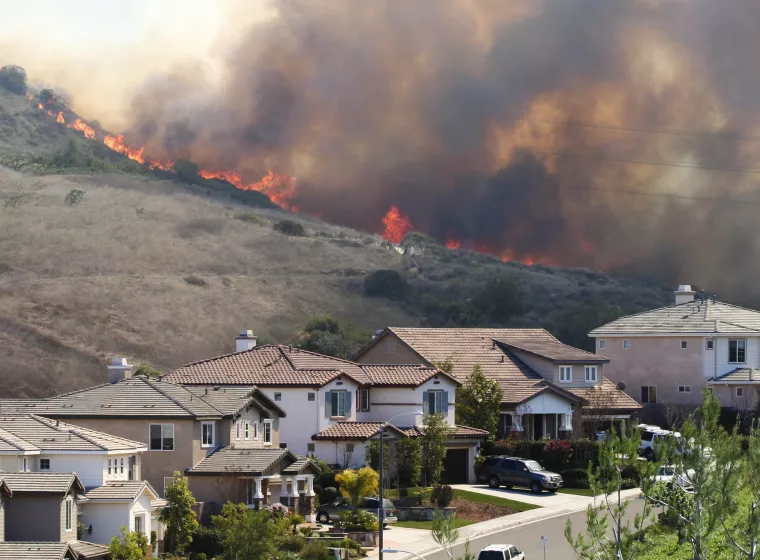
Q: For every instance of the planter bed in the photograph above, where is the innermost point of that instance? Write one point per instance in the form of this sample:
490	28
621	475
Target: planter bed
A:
422	513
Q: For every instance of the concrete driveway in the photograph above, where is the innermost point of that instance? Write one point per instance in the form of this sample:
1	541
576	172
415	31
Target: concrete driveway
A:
544	499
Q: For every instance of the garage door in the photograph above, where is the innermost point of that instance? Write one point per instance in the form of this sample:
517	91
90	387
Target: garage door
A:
455	467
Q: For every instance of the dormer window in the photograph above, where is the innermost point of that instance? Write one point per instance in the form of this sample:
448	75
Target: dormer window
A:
565	374
591	374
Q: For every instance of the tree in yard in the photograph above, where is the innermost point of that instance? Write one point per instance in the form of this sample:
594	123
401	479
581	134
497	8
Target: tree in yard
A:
408	456
446	365
433	447
248	534
357	484
132	546
616	454
479	402
178	514
333	337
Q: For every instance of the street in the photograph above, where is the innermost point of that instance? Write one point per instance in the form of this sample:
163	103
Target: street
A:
528	537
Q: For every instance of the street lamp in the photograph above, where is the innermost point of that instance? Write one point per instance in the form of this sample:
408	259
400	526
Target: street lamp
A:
382	440
395	550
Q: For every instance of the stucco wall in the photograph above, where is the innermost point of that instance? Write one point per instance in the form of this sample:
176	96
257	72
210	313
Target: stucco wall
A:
336	452
71	534
251	416
658	361
155	465
380	352
44	509
387	402
106	519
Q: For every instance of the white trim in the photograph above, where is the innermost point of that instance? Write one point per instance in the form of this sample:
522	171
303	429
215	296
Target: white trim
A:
237	430
602	344
626	344
213	434
271	432
69	515
713	334
247	430
736	392
570	370
586	370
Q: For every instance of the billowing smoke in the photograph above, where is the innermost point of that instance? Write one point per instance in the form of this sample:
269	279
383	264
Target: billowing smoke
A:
556	131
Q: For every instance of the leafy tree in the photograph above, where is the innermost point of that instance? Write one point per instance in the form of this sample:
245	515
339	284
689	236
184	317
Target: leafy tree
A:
46	96
247	534
616	454
479	402
132	546
148	370
433	447
357	484
444	533
408	461
289	227
500	299
13	78
332	337
385	283
178	514
447	365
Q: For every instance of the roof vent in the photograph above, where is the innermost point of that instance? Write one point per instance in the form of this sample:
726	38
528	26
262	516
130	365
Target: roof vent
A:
119	369
621	386
245	341
684	294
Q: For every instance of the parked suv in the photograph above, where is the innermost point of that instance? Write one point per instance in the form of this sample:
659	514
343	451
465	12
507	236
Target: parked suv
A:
513	471
654	436
501	552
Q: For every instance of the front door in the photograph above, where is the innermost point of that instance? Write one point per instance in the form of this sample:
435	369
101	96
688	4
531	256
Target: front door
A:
538	426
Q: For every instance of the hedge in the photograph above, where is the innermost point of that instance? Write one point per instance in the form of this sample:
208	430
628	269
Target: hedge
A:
581	452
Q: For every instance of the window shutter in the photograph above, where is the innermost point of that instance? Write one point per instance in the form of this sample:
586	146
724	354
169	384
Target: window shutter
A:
348	403
328	404
425	402
445	403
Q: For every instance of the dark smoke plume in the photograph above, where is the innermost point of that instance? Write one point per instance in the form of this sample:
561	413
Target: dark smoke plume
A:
455	112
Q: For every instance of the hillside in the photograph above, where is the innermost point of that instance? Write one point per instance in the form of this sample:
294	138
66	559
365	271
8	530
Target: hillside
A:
126	261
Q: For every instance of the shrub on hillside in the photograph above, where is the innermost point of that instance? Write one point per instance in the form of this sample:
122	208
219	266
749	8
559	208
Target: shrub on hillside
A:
289	227
333	337
385	283
13	78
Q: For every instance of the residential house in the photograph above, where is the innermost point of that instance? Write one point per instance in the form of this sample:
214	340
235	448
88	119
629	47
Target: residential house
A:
38	517
332	404
668	355
105	465
226	439
548	388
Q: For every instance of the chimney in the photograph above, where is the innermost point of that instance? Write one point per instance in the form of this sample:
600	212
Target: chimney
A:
245	341
684	294
119	369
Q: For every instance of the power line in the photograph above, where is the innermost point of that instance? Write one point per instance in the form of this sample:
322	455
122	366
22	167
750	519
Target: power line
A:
673	132
650	162
665	195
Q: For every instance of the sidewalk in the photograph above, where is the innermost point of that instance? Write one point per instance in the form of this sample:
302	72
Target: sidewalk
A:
545	499
420	542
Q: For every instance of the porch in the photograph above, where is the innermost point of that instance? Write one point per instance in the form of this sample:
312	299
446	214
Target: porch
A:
548	414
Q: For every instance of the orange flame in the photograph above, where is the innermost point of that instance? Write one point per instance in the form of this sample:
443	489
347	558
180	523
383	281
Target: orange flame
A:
396	225
40	106
453	244
116	143
84	128
59	119
279	187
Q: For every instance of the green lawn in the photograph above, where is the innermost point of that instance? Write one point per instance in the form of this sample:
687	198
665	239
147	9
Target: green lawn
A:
576	491
458	522
478	498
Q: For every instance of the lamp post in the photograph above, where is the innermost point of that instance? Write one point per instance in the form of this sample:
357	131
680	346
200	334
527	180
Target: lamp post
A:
382	504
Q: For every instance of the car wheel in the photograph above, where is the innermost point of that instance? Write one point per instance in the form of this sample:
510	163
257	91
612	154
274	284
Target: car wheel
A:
493	482
322	517
535	488
552	490
508	486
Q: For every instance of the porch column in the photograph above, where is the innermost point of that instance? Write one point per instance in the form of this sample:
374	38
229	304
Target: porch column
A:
310	485
258	497
306	505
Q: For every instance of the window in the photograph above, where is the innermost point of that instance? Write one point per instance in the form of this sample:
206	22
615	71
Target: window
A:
311	447
26	464
247	430
138	524
69	513
507	423
565	374
312	397
434	403
349	448
207	434
391	346
338	403
278	397
684	344
364	399
626	344
591	374
162	437
132	467
737	351
514	552
709	344
739	392
602	344
255	430
267	432
648	394
684	388
44	464
109	465
237	430
121	465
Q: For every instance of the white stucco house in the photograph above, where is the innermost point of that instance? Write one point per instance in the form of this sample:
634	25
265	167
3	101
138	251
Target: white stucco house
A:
332	405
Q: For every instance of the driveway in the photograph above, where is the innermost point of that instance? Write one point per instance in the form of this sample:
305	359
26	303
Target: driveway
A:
544	499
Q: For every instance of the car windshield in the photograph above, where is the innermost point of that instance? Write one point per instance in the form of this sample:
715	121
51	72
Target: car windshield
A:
490	555
666	471
533	466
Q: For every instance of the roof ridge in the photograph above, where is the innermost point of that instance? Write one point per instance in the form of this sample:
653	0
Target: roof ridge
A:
6	440
222	356
70	430
153	385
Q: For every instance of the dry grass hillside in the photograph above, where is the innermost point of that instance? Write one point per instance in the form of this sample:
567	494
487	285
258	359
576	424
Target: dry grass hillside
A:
147	270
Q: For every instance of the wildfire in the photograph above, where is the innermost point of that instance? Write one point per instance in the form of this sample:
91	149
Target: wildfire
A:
279	187
59	119
396	225
453	244
84	128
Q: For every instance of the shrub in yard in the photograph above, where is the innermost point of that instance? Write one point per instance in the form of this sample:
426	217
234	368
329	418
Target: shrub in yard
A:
293	543
206	541
314	551
442	496
575	478
328	495
289	227
362	520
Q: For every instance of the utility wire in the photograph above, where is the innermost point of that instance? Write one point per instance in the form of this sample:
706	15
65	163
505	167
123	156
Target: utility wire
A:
664	195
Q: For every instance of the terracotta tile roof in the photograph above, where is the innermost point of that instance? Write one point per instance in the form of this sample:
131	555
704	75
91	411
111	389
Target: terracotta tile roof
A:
90	551
554	351
747	376
121	490
403	375
457	432
230	460
35	551
29	432
231	401
57	483
695	317
362	431
605	397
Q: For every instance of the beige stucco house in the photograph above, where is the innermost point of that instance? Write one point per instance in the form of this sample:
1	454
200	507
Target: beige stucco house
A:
548	387
668	355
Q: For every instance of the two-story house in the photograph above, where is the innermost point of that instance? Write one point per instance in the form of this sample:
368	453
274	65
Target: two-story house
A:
668	355
106	466
225	439
548	388
333	404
